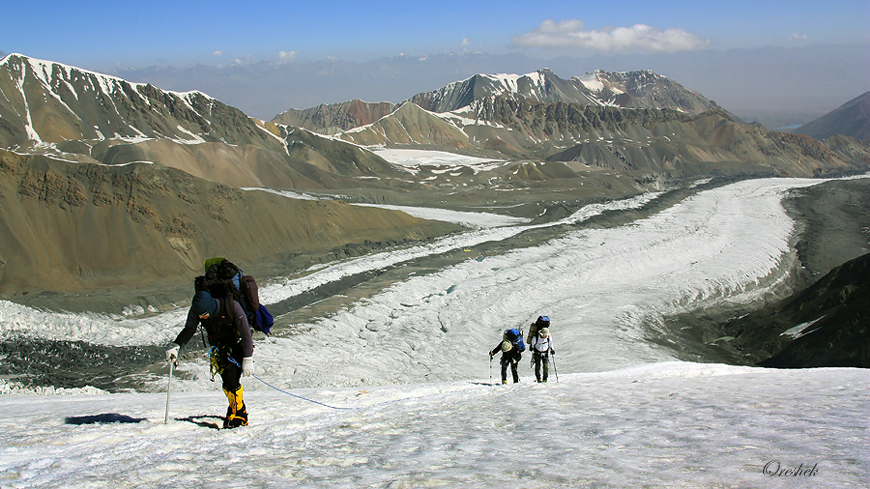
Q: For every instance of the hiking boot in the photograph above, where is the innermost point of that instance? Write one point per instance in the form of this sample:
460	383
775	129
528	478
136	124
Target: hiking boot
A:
239	418
237	413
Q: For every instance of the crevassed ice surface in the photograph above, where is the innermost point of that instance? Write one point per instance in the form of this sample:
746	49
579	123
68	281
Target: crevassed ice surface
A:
606	290
602	288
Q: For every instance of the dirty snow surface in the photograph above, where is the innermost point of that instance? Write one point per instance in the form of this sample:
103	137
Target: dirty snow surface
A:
396	389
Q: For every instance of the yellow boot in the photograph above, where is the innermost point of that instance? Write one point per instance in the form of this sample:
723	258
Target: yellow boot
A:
237	413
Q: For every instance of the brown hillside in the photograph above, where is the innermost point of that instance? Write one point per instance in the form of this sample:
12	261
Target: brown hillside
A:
74	226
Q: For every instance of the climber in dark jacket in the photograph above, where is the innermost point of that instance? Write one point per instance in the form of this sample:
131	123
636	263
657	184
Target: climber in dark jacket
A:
229	335
510	356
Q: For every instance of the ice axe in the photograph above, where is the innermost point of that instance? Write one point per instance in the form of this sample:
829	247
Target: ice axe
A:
490	370
168	391
554	365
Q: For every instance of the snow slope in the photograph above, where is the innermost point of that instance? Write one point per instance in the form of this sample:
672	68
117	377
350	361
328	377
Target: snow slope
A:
659	425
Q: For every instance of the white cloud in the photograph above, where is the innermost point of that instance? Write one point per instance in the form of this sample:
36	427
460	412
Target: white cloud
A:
798	37
217	53
287	56
465	45
573	34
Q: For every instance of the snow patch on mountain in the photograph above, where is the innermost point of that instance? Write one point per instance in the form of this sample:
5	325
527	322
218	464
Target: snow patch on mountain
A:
593	81
413	158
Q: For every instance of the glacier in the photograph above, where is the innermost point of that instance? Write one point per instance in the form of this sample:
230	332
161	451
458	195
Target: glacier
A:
408	367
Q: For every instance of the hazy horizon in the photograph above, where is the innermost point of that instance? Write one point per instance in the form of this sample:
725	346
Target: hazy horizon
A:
776	86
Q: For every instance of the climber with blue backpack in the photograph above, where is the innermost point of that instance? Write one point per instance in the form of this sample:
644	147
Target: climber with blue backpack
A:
229	335
224	279
219	306
511	347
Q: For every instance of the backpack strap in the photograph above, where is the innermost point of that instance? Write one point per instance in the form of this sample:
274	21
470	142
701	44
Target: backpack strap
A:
231	313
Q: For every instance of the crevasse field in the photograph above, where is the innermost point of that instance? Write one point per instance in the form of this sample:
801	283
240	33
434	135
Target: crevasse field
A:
402	379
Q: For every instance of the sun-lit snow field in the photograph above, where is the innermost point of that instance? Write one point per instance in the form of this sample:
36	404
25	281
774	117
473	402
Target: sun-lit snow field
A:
413	160
658	425
410	362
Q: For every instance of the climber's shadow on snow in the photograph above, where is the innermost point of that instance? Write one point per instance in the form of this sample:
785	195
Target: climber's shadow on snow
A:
103	418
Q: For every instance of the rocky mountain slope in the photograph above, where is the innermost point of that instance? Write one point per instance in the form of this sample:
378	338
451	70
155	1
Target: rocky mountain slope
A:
640	123
85	227
850	119
828	324
332	118
46	102
635	89
53	109
644	143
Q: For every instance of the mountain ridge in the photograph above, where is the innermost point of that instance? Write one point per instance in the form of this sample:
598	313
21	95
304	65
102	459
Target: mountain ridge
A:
49	109
850	119
639	89
629	89
332	118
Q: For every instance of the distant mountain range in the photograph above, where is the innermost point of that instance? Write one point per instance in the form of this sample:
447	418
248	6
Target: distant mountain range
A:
52	109
636	89
637	122
73	141
777	86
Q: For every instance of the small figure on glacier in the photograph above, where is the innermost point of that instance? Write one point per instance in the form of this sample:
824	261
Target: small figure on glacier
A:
511	347
229	335
541	346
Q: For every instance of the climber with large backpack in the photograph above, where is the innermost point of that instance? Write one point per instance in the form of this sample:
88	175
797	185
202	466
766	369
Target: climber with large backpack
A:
511	347
227	305
541	346
223	279
541	322
232	347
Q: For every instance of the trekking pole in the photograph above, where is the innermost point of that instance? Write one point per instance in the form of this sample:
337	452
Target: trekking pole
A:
554	365
168	391
490	371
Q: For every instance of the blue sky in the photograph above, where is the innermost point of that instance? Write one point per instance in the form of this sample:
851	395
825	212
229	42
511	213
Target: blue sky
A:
102	35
